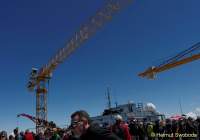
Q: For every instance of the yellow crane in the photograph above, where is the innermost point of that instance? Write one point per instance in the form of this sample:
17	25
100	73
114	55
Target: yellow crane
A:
39	78
184	57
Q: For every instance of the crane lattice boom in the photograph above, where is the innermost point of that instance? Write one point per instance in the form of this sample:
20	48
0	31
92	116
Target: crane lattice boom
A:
39	78
184	57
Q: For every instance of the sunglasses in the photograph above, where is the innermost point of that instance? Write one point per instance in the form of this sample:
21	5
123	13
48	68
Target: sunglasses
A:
76	123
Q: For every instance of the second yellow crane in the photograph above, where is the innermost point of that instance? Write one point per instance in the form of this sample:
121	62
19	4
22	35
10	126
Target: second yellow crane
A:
184	57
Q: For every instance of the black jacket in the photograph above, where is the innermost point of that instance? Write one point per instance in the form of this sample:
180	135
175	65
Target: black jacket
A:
94	132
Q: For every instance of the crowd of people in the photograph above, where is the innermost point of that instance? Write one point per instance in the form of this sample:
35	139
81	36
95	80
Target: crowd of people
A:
82	128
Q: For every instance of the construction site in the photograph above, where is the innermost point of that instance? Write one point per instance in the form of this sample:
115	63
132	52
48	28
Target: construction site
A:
133	61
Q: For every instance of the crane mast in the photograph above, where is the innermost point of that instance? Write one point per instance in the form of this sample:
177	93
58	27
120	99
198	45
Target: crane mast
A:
183	57
39	78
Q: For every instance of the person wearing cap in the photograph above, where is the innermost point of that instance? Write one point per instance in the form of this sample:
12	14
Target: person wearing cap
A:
121	129
83	128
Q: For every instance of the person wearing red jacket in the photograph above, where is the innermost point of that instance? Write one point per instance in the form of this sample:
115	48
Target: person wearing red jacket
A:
28	135
121	129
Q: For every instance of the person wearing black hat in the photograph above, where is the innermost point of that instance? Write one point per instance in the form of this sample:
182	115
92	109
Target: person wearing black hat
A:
84	129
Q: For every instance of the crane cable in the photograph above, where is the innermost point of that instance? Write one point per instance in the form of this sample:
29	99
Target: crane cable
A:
181	54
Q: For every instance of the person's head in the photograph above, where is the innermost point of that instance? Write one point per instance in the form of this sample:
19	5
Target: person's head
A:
55	130
27	131
118	119
3	135
80	122
21	133
16	131
141	124
162	123
11	137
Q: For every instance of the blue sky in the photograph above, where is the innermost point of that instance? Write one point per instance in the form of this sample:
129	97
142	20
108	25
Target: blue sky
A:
141	35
